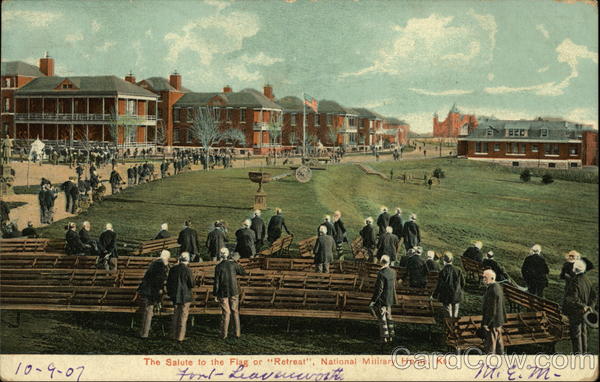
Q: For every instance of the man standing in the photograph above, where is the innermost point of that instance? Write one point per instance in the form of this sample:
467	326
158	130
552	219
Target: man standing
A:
323	251
494	314
130	176
417	270
188	241
115	182
260	230
397	223
535	271
151	289
383	220
412	235
4	212
449	288
339	231
566	273
179	288
474	252
580	297
245	239
71	194
388	244
276	224
226	292
107	245
384	297
216	241
327	224
369	240
490	263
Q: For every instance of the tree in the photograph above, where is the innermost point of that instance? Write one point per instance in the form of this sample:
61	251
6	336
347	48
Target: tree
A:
274	125
547	178
525	175
126	123
234	136
332	136
439	173
205	128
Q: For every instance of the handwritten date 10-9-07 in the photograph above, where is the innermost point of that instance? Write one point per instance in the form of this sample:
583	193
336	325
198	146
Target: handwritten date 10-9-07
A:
50	371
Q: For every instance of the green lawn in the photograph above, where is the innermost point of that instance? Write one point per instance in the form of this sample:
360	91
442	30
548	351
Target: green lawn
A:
474	201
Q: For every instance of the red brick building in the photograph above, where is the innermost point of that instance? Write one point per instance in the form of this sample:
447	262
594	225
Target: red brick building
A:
396	130
14	75
84	109
254	113
537	143
454	125
293	120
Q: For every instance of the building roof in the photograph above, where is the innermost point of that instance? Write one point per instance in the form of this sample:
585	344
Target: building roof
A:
366	113
88	85
328	106
394	121
293	104
20	68
249	98
454	109
160	84
539	129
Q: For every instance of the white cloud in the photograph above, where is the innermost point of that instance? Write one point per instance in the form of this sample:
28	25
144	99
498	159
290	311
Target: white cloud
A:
568	53
543	69
377	103
437	38
241	72
419	122
211	35
442	92
220	5
96	26
490	76
542	30
583	115
260	59
106	46
74	37
36	19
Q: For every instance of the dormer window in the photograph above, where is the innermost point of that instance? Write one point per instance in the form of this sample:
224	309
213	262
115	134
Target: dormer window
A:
67	86
490	132
543	132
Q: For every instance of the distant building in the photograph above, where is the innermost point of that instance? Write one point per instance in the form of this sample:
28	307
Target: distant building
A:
541	142
402	129
14	75
455	124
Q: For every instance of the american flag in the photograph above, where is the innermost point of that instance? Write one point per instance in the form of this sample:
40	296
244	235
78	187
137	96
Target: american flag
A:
311	102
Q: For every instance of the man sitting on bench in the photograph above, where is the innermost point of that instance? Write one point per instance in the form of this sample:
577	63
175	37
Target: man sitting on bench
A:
74	244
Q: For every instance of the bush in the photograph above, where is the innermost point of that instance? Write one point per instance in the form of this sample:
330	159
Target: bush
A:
439	173
526	175
547	179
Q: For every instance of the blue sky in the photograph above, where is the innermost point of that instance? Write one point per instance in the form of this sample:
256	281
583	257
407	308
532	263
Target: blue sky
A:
408	59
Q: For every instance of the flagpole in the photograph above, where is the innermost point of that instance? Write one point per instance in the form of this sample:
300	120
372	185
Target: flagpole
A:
303	125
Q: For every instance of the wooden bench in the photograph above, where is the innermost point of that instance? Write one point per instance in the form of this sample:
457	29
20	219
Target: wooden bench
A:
518	298
155	246
473	269
23	245
519	329
358	251
279	247
305	247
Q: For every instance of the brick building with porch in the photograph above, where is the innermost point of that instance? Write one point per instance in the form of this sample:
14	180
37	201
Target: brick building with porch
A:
537	143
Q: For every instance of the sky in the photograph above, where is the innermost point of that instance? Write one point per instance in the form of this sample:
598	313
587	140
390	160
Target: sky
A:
405	59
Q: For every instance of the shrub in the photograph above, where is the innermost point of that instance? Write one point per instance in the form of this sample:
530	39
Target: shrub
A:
526	175
439	173
547	179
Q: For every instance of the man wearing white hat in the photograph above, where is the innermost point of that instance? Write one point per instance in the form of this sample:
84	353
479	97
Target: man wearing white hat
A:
383	220
412	234
535	271
179	288
369	239
245	239
384	297
580	297
226	292
493	315
324	250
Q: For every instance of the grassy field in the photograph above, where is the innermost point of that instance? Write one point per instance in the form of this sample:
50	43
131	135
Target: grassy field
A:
474	201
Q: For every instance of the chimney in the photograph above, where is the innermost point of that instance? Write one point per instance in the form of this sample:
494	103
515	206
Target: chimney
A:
175	80
268	91
130	77
47	65
227	89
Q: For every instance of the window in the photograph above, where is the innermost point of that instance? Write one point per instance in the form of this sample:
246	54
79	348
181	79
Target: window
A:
551	149
329	119
130	107
176	137
183	135
67	86
242	115
543	132
535	148
6	104
552	165
573	150
496	147
189	114
515	164
490	132
228	115
512	148
293	119
522	148
317	120
176	112
573	164
516	133
481	147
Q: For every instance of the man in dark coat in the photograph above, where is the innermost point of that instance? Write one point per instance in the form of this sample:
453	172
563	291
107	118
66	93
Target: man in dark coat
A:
188	241
71	194
416	270
369	240
323	250
4	212
384	297
449	288
226	291
276	224
179	288
46	198
431	263
566	273
29	231
411	232
115	182
474	252
260	230
397	223
163	233
494	314
107	247
383	220
74	246
84	236
130	176
580	297
535	271
339	231
216	240
245	239
388	244
327	224
490	263
151	289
